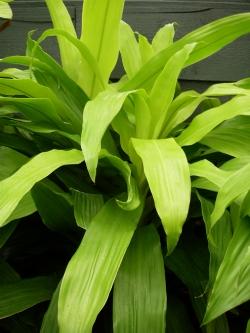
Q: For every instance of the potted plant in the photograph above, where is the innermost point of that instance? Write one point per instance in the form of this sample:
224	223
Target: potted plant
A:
123	165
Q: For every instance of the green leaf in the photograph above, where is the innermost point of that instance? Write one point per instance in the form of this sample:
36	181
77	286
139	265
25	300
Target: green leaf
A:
140	286
20	295
31	89
50	322
167	172
38	110
6	232
11	160
231	287
218	237
91	272
163	38
98	115
232	137
202	124
7	273
238	183
86	206
145	48
61	19
5	10
54	207
182	107
226	89
206	169
131	199
129	48
100	33
143	116
85	55
164	88
49	73
210	38
14	188
248	327
25	207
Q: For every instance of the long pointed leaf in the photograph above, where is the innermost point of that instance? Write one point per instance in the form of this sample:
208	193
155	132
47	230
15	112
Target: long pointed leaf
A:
100	33
129	48
98	115
91	272
164	88
22	294
86	206
202	124
61	19
210	38
140	291
237	184
231	287
14	188
167	172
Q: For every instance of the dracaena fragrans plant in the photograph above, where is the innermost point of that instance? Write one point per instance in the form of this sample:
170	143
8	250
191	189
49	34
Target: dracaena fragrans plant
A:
123	166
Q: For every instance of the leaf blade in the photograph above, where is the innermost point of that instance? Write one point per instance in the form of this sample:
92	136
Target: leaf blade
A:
112	228
167	173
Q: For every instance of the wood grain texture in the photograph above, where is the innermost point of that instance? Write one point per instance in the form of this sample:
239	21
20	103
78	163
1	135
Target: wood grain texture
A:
145	16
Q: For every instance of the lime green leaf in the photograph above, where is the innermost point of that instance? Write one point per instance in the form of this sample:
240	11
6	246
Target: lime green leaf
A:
210	38
226	89
164	87
100	33
238	183
182	107
98	115
163	38
129	48
20	295
231	287
143	116
145	48
91	272
61	19
14	188
167	172
235	163
5	10
86	206
232	137
202	124
206	169
140	286
12	160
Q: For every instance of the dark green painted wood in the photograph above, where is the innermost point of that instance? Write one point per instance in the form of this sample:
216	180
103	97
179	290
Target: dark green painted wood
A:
146	16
